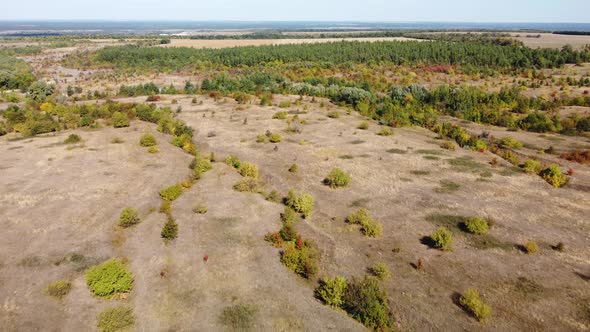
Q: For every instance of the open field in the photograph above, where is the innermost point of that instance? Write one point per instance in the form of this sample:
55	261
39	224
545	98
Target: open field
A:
222	43
549	40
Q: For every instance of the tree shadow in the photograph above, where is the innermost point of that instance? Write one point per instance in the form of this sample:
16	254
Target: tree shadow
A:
427	241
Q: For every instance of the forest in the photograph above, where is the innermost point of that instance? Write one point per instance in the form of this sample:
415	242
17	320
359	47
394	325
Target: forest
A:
14	73
470	56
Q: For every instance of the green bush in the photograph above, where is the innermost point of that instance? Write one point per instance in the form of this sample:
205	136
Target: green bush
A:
508	142
147	140
476	225
363	125
261	138
248	170
280	115
385	131
472	303
366	302
119	318
109	278
128	217
233	161
301	203
442	239
381	271
293	168
552	174
289	216
369	226
531	247
532	166
285	104
302	261
250	185
72	139
337	178
288	232
120	120
171	193
58	289
239	317
274	138
170	230
334	114
331	291
153	149
200	165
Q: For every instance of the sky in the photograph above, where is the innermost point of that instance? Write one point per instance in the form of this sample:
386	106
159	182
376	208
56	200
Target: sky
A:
302	10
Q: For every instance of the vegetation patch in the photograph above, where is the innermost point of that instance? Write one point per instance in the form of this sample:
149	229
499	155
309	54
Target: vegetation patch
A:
171	193
397	151
170	230
380	271
239	317
248	170
109	279
73	139
474	305
441	239
58	289
128	217
447	186
385	131
465	164
552	174
147	140
331	291
369	226
119	318
337	178
476	225
250	185
300	202
365	301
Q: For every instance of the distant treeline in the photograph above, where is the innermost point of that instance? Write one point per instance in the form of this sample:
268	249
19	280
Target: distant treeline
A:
472	57
281	35
572	33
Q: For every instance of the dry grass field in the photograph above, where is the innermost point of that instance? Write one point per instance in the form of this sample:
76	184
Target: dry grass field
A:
549	40
60	204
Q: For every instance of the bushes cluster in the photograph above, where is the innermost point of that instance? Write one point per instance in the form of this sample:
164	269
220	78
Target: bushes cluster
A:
552	174
509	142
300	202
532	166
331	291
109	278
233	161
128	217
369	226
476	225
199	166
119	318
337	178
147	140
301	258
171	193
473	304
239	317
582	157
442	239
366	302
120	120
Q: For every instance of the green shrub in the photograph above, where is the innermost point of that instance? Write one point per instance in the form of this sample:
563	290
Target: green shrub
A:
448	145
153	149
200	209
532	166
147	140
119	318
337	178
334	114
301	203
476	225
369	226
233	161
200	165
331	291
170	230
250	185
274	138
171	193
285	104
293	168
531	247
385	131
302	261
510	156
261	138
128	217
508	142
381	271
472	303
72	139
552	174
248	170
288	232
58	289
363	125
280	115
239	317
120	120
109	278
366	302
289	216
442	239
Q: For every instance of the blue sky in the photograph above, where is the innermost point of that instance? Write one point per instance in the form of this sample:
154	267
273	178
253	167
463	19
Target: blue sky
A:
302	10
